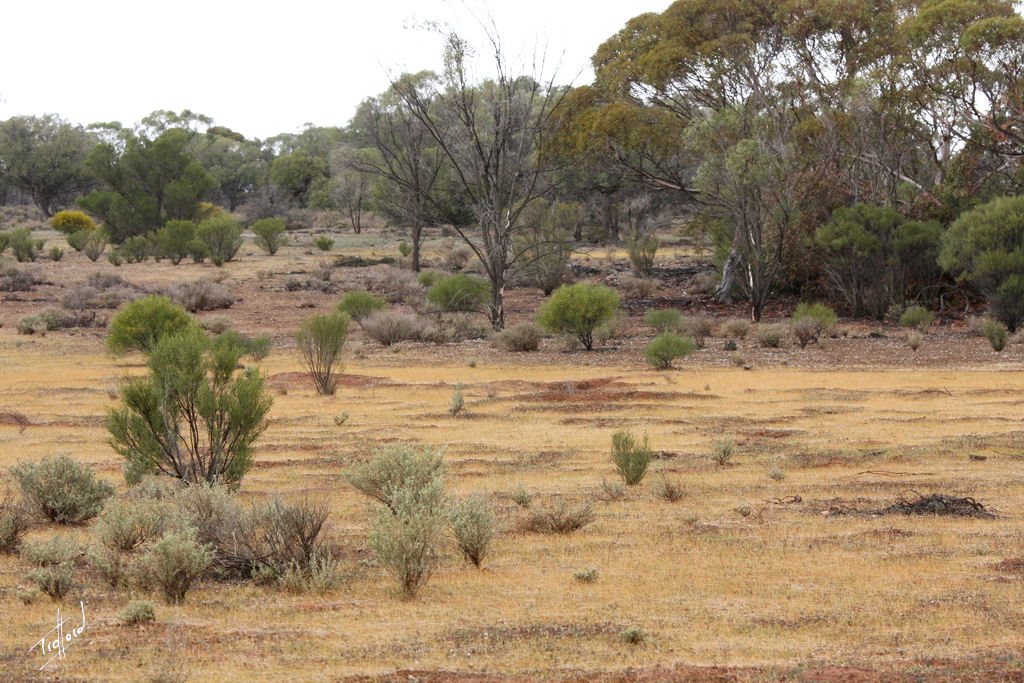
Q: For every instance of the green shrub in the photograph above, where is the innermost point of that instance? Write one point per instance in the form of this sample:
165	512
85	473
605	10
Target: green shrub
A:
586	575
56	253
562	519
722	451
94	244
667	320
115	257
520	496
22	245
174	562
144	322
173	239
641	250
270	234
222	237
631	457
54	580
460	293
123	526
457	401
579	309
918	317
359	304
138	612
69	222
258	347
61	489
404	248
822	314
319	341
395	468
198	251
475	526
666	347
996	334
55	563
523	337
406	535
135	249
324	243
428	278
633	635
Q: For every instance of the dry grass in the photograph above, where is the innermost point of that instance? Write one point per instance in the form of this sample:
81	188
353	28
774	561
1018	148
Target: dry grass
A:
738	573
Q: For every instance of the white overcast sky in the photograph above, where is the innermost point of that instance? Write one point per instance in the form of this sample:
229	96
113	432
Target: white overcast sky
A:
264	68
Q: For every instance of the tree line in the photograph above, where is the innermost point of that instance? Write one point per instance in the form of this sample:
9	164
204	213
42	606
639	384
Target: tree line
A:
862	151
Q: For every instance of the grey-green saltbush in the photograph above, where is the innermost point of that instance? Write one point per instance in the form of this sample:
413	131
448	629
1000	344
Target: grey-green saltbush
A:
138	612
475	526
174	562
61	489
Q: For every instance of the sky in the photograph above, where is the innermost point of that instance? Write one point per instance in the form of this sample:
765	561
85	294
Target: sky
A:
263	68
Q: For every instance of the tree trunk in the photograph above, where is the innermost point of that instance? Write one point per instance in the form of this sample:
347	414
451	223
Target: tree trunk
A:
417	235
724	291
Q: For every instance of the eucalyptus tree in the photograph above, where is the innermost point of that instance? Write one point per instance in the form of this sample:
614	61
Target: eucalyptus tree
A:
44	157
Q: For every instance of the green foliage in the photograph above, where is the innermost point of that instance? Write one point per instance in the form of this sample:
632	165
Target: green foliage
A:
56	253
222	237
579	309
324	243
641	250
319	341
631	457
138	612
545	242
404	248
144	322
986	247
460	293
996	334
667	320
61	489
174	562
69	222
666	347
810	321
722	451
135	249
917	317
475	525
22	245
93	245
520	496
43	158
123	526
270	234
397	468
55	564
115	257
633	635
518	338
191	417
457	401
198	251
359	304
173	239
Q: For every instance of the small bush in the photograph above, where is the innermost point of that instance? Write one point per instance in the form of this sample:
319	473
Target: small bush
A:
666	347
143	323
579	309
722	451
699	327
292	538
406	536
996	334
56	253
914	340
523	337
115	257
174	562
640	287
460	293
270	234
222	237
457	401
55	564
475	526
631	457
520	496
810	321
805	330
22	245
563	519
93	245
633	635
135	249
14	279
666	320
389	327
428	278
396	468
400	285
917	317
259	347
611	492
138	612
14	522
69	222
319	341
61	489
735	328
360	304
672	491
55	580
198	251
641	250
586	576
215	324
173	240
324	243
50	319
771	335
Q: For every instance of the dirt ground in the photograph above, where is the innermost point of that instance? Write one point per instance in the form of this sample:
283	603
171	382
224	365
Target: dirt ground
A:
780	564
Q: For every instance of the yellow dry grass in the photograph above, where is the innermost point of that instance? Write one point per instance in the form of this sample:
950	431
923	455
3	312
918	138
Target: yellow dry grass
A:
732	575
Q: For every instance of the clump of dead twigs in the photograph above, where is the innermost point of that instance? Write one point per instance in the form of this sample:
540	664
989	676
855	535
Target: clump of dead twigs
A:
939	504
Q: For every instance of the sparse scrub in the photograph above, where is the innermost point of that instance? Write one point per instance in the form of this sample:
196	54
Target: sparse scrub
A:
269	234
669	490
14	522
93	244
735	328
613	491
319	341
138	612
641	250
666	320
201	295
520	496
460	293
631	456
390	327
14	279
56	253
61	489
523	337
667	347
144	322
633	635
173	239
324	243
22	245
173	563
579	309
400	286
771	335
562	519
810	321
291	539
722	451
996	334
917	317
475	525
360	304
914	340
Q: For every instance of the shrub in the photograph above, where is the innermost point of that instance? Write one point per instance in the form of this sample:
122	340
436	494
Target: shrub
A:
55	564
457	401
770	336
122	527
805	330
522	337
579	309
173	239
258	347
672	491
520	496
633	635
93	244
563	519
219	522
641	250
61	489
198	251
23	246
918	317
201	295
56	253
115	257
135	249
914	340
820	313
404	248
138	612
324	573
222	237
996	334
69	222
736	328
631	457
616	490
174	562
699	327
291	538
641	287
400	285
143	323
319	340
666	347
44	321
324	243
475	526
359	304
396	468
722	451
667	320
460	293
586	575
14	523
192	390
269	234
388	327
215	324
14	279
406	535
455	255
